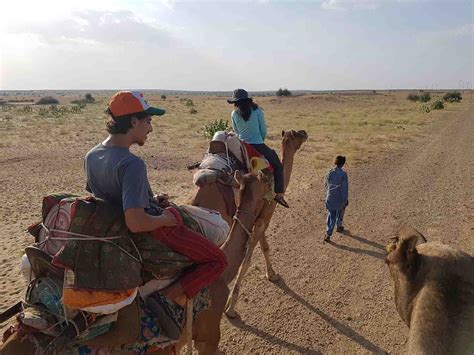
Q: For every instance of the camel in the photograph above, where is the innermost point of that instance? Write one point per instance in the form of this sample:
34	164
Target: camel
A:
210	196
206	328
434	293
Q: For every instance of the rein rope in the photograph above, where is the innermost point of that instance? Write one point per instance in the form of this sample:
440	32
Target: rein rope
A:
250	234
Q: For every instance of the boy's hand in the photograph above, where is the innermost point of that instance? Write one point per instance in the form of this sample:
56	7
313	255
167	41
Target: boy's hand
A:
163	200
168	219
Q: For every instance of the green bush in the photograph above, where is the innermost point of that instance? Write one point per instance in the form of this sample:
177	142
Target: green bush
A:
26	109
425	97
425	108
437	105
163	97
454	96
89	98
413	97
283	92
215	126
189	102
47	100
75	109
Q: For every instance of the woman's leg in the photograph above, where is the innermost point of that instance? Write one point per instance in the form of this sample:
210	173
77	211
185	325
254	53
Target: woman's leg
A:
274	160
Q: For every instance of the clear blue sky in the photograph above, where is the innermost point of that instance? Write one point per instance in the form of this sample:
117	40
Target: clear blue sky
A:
220	45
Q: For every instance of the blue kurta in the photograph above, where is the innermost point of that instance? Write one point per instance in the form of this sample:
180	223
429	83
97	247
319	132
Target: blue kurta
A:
337	189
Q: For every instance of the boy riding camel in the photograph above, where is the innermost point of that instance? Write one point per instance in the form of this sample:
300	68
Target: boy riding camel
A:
118	176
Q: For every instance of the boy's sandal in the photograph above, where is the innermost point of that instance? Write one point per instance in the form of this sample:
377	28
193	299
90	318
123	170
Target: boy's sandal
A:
281	201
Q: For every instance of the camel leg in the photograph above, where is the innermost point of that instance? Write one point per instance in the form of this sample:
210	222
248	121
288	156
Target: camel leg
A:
232	301
206	329
16	345
271	274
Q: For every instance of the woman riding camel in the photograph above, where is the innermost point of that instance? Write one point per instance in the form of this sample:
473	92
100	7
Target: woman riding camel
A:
248	122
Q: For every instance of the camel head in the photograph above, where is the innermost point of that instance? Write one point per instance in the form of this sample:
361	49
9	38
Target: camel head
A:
252	187
403	261
293	139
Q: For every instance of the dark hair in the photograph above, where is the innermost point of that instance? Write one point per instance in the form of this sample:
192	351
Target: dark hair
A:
340	161
121	124
245	107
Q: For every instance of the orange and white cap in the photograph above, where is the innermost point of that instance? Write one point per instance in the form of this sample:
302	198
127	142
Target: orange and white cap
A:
129	102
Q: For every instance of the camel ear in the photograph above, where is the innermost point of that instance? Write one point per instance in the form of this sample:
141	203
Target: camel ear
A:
282	133
238	177
406	254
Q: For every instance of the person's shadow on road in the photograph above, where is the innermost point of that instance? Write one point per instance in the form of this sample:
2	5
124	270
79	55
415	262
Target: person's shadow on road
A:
372	253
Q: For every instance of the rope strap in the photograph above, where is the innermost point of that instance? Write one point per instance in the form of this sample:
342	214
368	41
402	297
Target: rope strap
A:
79	236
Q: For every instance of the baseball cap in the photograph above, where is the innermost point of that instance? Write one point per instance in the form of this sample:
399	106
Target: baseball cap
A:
129	102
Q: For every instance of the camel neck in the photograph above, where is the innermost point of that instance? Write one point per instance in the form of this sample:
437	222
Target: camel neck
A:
288	155
236	245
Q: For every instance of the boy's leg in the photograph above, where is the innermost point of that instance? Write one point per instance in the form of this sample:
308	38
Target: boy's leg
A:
330	222
340	219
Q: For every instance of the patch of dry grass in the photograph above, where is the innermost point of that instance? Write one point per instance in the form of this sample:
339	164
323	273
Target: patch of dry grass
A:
358	126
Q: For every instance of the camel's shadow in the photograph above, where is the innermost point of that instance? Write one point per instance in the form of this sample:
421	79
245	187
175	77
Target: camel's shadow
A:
340	327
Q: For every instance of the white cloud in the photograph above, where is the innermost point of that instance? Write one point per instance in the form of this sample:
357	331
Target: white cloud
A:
350	4
341	5
107	27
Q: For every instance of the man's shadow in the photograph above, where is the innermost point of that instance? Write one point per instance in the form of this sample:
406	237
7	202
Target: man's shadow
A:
347	233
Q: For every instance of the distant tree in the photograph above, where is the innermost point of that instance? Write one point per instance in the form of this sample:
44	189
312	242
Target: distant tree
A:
89	98
413	97
454	96
163	97
425	97
283	92
47	100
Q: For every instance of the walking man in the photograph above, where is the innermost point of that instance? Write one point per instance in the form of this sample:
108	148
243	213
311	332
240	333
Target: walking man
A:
337	197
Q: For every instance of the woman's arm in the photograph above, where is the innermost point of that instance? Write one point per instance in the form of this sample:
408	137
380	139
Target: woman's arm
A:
262	124
233	122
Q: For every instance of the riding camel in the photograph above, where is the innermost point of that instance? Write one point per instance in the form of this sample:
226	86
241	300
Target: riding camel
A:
211	196
206	327
434	293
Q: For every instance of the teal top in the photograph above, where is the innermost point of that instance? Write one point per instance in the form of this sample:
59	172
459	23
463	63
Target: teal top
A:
252	131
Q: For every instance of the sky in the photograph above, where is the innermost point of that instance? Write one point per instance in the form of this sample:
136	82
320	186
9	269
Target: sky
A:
222	45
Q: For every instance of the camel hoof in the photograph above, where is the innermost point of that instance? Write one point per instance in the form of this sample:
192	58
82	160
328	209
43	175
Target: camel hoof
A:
230	313
273	277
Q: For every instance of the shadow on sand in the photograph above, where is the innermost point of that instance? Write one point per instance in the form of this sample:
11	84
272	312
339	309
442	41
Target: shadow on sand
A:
238	322
340	327
375	254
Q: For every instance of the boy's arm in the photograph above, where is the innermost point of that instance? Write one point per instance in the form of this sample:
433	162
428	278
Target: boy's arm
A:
137	220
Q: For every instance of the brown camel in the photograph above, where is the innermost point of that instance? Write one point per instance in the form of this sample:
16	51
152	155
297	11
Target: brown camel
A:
206	328
210	196
434	293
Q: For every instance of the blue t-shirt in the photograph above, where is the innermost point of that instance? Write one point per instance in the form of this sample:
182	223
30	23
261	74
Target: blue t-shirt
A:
252	131
116	175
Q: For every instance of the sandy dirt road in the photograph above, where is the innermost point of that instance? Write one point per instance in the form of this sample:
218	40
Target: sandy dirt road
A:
338	298
332	298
